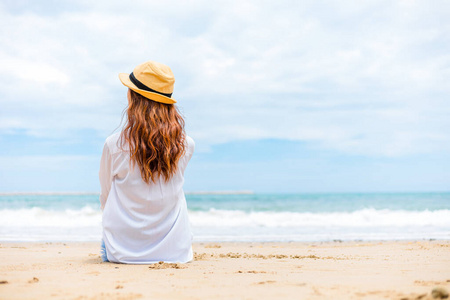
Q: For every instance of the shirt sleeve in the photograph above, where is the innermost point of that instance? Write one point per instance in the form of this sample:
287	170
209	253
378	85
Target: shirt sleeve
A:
105	175
190	147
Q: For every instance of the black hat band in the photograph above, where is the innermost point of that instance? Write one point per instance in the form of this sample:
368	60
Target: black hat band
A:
144	87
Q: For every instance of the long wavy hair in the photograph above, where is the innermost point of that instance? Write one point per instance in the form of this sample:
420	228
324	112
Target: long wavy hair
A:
155	135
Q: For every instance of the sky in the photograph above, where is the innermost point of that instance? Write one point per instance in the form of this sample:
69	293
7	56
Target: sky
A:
279	96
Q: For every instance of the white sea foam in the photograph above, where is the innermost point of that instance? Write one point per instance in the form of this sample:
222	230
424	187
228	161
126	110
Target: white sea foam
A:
38	217
369	224
361	218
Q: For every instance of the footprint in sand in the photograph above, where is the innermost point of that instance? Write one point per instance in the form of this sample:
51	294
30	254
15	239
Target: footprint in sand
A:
254	272
266	282
163	265
93	273
34	280
439	293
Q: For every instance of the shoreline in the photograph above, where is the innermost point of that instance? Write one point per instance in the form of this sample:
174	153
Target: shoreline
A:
201	242
231	270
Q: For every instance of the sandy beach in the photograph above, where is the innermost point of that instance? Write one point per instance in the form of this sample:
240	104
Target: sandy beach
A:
336	270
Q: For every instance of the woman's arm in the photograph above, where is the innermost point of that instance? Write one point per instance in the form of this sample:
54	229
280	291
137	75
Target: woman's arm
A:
105	175
190	147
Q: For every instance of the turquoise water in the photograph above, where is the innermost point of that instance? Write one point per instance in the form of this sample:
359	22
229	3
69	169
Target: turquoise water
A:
320	202
255	202
245	217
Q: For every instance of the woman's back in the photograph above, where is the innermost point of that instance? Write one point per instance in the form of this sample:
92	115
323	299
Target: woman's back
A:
142	174
143	222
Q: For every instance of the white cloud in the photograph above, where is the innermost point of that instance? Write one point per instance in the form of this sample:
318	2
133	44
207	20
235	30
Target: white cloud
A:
370	78
31	71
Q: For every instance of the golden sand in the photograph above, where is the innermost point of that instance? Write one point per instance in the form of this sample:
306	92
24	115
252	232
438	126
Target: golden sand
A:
348	270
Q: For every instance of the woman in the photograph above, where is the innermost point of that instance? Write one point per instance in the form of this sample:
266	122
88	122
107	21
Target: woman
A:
141	175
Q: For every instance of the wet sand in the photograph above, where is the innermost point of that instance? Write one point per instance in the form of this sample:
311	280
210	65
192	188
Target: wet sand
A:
348	270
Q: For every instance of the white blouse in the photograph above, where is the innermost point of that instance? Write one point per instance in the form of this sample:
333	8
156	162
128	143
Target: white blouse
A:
143	223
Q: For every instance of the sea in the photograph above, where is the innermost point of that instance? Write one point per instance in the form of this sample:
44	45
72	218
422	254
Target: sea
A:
247	217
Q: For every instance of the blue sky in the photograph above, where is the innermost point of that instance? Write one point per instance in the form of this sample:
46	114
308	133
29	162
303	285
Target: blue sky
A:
280	96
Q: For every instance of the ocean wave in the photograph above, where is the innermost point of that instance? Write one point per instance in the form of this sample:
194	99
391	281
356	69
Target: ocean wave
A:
360	218
38	224
39	217
89	216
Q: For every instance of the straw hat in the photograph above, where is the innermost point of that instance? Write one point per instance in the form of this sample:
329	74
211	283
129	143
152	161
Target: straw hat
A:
152	80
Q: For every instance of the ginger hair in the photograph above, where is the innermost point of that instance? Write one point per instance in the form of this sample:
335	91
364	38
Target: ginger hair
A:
155	135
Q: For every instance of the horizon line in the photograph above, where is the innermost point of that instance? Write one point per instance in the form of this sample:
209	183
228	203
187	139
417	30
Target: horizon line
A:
225	192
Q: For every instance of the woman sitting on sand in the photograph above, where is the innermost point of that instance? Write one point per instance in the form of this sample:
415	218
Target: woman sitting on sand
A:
142	174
